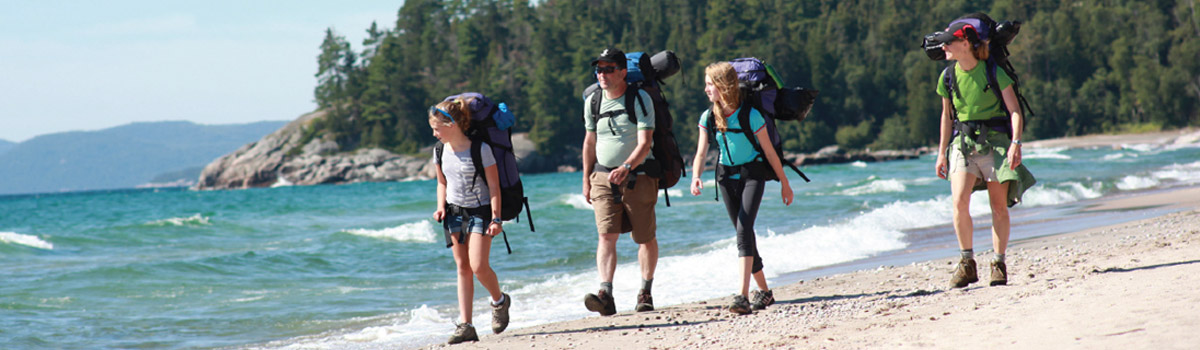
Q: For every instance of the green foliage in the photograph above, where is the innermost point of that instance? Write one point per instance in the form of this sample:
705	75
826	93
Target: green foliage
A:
855	136
1086	66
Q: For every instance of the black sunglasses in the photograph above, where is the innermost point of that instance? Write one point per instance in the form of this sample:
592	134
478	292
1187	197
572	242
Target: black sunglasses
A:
606	70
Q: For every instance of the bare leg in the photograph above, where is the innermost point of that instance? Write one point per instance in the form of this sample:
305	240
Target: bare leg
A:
998	198
761	280
481	246
747	265
960	197
606	256
648	257
466	281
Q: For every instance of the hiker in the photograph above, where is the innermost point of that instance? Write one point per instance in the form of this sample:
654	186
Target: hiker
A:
470	213
986	154
741	173
615	149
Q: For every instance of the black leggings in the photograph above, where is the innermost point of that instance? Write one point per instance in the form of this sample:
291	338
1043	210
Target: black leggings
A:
742	197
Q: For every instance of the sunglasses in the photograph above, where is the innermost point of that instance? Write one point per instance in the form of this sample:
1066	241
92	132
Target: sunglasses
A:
606	70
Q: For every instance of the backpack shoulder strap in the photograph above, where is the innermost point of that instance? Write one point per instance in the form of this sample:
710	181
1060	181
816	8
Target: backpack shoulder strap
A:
994	85
633	93
594	104
437	149
477	160
744	123
949	81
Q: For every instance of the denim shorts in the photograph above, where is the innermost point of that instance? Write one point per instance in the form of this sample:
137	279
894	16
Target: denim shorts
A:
454	224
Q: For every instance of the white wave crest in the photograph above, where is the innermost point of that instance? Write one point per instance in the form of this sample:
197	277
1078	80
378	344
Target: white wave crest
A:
1131	182
25	240
1185	173
672	193
420	231
1041	195
181	221
859	164
876	186
576	200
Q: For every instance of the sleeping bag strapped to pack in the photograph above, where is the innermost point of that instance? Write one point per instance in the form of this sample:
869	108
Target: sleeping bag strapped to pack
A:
764	91
647	73
491	123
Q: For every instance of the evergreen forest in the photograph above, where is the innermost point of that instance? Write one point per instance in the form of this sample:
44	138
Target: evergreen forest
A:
1087	66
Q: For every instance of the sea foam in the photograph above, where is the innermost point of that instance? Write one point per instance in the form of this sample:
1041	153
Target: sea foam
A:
420	231
196	219
25	240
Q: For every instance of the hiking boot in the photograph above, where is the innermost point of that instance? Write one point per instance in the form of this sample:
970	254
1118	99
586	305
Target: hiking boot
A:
500	315
762	299
463	332
601	302
999	274
740	305
964	274
645	302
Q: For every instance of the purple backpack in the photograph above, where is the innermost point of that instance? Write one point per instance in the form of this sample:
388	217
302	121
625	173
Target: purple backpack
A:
491	124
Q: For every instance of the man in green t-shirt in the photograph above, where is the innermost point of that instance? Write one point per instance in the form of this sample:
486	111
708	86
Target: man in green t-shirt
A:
613	149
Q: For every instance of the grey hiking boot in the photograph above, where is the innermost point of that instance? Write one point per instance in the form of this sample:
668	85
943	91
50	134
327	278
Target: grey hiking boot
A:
762	299
965	274
999	273
500	315
463	332
740	305
645	302
601	302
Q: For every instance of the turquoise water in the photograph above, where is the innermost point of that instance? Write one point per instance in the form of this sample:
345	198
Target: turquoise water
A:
362	266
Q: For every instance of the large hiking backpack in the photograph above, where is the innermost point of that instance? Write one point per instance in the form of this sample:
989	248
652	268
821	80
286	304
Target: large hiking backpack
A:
491	124
999	35
762	89
646	73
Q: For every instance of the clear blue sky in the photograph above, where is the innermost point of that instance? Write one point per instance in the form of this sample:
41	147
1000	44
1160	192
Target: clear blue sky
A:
89	65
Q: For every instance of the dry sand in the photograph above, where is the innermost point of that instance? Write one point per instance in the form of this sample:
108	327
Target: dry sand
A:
1128	286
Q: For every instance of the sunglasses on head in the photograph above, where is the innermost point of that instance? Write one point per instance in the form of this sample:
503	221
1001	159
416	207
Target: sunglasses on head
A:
606	70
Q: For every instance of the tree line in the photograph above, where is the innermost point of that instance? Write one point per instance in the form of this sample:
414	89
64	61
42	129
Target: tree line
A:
1087	66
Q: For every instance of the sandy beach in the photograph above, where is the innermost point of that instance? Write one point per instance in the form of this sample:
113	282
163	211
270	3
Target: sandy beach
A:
1129	285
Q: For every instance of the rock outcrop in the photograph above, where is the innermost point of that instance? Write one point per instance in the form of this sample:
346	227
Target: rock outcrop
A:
267	162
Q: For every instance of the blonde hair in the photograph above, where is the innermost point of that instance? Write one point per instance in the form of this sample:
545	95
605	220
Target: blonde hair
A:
459	110
724	78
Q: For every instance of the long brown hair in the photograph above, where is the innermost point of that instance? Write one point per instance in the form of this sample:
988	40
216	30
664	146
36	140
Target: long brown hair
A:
724	77
458	109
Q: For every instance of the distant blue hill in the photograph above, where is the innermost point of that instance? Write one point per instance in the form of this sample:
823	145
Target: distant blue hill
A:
119	157
6	145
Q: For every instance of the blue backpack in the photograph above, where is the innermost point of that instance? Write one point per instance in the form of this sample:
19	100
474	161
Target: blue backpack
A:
491	124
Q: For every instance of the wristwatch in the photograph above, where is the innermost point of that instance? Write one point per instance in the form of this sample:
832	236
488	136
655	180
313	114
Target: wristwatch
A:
497	221
1016	142
627	166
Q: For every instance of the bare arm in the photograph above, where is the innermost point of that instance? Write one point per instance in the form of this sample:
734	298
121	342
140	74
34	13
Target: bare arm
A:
644	137
776	164
698	161
941	168
589	163
1018	123
493	183
439	213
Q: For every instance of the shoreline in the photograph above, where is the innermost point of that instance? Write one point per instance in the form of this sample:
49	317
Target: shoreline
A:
1106	281
1113	286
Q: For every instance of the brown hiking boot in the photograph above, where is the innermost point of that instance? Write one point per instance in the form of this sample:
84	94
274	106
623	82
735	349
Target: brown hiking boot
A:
601	302
761	299
740	305
645	302
965	274
500	315
999	274
463	332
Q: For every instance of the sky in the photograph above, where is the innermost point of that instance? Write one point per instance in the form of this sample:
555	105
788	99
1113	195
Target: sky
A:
90	65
